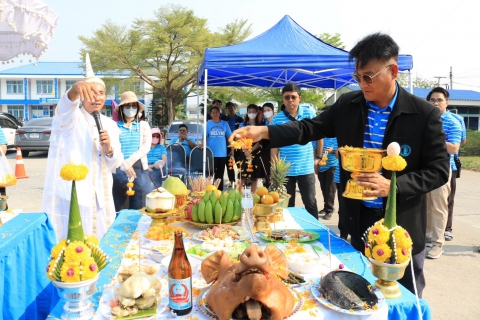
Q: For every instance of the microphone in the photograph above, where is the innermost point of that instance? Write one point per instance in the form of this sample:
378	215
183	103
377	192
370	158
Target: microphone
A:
96	116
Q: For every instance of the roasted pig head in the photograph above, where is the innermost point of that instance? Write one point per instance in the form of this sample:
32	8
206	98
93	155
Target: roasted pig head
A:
251	287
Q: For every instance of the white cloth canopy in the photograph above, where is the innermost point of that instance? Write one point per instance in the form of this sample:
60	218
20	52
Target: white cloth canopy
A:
26	27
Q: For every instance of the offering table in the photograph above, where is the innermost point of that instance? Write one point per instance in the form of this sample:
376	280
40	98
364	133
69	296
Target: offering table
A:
118	237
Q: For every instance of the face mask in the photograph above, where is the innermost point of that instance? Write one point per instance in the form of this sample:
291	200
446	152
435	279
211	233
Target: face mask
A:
130	113
268	114
252	115
155	140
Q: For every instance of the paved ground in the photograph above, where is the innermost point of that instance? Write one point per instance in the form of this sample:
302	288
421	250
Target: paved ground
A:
453	280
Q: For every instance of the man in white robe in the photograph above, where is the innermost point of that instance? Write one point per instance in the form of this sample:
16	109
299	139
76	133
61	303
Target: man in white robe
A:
74	128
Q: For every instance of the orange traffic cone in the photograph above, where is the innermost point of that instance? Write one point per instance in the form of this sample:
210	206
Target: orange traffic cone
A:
19	167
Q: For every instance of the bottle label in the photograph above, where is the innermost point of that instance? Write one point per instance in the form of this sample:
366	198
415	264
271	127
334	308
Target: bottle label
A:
179	293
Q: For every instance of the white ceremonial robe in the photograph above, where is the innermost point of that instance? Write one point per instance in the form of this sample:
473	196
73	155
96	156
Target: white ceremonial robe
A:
75	129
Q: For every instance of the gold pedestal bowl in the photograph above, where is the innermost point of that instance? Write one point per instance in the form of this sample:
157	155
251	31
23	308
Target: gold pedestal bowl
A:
261	213
387	275
358	161
158	218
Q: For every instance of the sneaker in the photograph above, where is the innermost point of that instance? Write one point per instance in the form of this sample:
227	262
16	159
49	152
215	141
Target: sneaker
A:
321	212
435	252
448	235
428	245
328	216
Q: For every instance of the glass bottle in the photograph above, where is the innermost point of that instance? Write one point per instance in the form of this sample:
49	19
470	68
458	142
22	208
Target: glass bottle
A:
179	279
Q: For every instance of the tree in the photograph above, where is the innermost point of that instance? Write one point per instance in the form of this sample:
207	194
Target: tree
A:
334	40
418	82
165	51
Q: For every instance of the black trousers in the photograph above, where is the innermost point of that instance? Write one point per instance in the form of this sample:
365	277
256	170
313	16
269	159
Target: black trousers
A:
368	216
306	184
328	187
342	214
219	170
451	200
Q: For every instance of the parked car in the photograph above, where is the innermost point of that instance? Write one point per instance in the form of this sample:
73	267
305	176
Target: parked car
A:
9	125
195	130
34	135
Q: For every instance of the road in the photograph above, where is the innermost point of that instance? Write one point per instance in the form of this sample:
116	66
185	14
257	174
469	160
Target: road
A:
453	280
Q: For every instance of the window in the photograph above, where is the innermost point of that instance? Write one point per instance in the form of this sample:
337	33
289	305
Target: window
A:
7	123
136	86
16	111
40	112
14	86
44	86
69	84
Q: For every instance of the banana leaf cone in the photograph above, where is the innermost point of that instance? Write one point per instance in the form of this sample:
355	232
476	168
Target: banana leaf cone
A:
391	210
75	227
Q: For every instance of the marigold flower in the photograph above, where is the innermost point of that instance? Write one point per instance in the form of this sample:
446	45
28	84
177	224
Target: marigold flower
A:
130	192
129	184
368	252
77	251
51	269
70	271
71	172
402	238
58	248
394	163
91	239
379	234
381	252
89	269
402	255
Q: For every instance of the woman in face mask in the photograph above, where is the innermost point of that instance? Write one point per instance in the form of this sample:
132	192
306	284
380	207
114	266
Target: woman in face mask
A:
136	140
267	109
251	161
157	157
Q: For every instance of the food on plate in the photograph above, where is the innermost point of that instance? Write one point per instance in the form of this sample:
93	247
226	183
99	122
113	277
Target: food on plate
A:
219	232
165	232
348	290
160	201
127	270
292	235
301	259
140	290
251	288
119	311
232	248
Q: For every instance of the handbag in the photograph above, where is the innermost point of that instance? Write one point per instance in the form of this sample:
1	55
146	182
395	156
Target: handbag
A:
458	164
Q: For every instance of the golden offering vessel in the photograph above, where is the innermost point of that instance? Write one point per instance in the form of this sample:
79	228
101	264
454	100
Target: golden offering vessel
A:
387	275
358	161
159	218
261	213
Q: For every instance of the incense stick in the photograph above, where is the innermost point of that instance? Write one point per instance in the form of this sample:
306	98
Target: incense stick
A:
154	184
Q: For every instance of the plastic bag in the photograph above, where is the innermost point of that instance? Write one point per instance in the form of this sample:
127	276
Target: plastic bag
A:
7	176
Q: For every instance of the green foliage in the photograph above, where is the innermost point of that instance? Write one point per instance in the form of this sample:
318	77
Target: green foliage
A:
332	39
418	82
470	162
234	32
472	147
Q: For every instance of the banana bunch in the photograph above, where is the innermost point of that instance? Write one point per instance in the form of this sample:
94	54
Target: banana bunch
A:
215	211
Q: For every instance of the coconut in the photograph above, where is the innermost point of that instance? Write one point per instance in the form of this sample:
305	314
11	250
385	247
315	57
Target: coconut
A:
175	186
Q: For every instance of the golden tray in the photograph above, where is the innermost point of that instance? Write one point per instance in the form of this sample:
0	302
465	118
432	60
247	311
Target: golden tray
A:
264	210
202	225
362	159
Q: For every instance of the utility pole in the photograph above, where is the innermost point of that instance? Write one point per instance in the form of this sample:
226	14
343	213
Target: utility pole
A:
451	78
439	79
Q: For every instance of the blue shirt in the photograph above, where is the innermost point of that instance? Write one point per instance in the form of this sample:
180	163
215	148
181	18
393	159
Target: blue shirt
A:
129	138
336	175
184	144
374	132
156	153
217	135
453	132
332	161
300	156
234	123
3	139
462	124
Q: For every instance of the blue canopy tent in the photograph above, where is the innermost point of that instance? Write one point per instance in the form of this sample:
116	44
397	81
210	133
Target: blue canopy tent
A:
283	54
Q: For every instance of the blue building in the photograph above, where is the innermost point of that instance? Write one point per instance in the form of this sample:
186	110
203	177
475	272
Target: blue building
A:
33	90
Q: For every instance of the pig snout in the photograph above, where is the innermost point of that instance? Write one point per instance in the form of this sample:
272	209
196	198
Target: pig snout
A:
253	256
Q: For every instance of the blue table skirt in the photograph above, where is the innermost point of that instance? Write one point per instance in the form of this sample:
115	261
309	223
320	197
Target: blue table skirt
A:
120	233
25	245
402	308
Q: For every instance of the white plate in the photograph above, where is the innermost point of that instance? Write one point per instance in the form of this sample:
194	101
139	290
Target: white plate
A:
194	262
241	231
318	295
109	294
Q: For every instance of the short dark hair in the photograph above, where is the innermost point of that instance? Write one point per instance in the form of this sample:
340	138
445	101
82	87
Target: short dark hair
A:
213	107
292	87
439	90
216	100
268	104
377	46
230	104
183	125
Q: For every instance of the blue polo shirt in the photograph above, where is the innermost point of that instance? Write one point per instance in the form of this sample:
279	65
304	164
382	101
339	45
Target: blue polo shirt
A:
453	133
184	143
234	122
332	161
156	153
374	132
3	139
300	156
217	136
129	138
464	132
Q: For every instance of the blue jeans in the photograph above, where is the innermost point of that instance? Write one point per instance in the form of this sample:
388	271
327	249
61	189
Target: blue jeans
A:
156	175
142	186
306	184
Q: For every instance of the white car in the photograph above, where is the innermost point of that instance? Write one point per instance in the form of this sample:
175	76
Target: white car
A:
9	125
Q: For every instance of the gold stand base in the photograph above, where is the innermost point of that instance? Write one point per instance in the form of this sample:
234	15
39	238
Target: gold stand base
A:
158	219
354	191
390	289
262	224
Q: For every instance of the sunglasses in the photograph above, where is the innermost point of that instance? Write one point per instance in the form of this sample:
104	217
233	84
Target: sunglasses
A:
130	106
288	97
367	78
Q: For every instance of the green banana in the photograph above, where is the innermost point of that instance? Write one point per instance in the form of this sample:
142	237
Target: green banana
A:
209	212
218	212
237	210
213	198
201	211
206	196
229	212
238	196
231	194
195	213
223	202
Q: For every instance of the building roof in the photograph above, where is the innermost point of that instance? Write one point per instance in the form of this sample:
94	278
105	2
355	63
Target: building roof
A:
54	69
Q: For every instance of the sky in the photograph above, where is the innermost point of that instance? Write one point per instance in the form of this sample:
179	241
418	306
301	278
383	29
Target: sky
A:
439	34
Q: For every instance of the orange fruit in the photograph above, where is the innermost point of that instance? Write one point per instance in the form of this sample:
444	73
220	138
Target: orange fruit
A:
256	198
266	199
261	191
219	193
210	188
275	196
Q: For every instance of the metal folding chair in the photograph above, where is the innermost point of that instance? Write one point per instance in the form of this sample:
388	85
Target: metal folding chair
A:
176	161
195	168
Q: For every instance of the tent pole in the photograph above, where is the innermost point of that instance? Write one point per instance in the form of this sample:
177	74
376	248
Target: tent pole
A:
335	92
205	100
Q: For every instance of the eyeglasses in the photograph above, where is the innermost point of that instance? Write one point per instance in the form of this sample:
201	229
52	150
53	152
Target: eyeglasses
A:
130	106
366	77
437	100
182	130
288	97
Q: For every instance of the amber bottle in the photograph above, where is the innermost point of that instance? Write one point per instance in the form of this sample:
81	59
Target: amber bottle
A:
180	279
